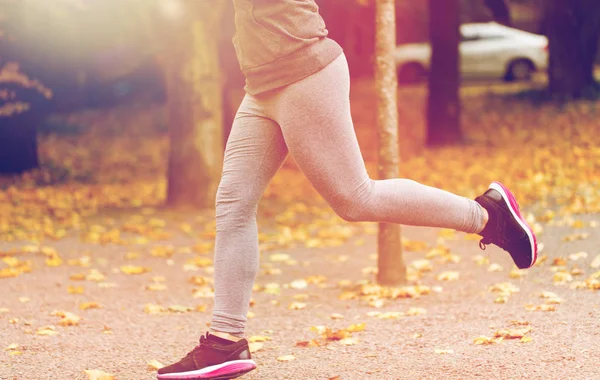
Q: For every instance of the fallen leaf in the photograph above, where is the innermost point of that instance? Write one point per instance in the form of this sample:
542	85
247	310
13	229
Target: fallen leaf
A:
512	333
448	276
484	340
134	269
494	267
348	341
66	318
299	284
545	307
96	374
443	352
89	305
286	358
562	277
297	306
255	346
46	331
577	256
154	365
74	289
414	311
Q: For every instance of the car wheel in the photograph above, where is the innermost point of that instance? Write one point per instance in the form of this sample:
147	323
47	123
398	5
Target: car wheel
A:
411	73
520	70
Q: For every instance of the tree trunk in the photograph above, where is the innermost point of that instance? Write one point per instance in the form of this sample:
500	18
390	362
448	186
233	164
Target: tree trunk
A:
500	11
18	143
194	108
443	105
573	28
391	268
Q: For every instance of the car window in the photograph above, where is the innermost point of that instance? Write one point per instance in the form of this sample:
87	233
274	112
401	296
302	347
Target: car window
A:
480	37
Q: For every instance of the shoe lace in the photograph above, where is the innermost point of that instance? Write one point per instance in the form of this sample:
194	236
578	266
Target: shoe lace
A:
202	343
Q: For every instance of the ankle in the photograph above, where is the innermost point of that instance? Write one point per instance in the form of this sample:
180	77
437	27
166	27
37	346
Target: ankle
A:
485	216
226	336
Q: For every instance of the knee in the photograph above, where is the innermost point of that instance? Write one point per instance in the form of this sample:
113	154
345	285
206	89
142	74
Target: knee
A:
352	206
235	207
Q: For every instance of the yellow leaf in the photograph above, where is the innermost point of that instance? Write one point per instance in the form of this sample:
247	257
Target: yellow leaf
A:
448	276
336	316
155	365
286	358
517	273
180	309
526	339
442	352
297	306
481	260
89	305
153	309
67	318
422	265
255	346
46	331
484	340
544	307
414	245
11	347
75	289
279	257
96	374
358	327
414	311
77	277
134	269
562	277
259	338
512	333
494	267
299	284
577	256
94	275
54	261
348	341
546	294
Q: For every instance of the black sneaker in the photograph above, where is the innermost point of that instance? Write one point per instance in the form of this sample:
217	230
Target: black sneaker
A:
506	227
213	358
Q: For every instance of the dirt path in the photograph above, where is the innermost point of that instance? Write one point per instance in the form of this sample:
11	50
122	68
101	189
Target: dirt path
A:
121	338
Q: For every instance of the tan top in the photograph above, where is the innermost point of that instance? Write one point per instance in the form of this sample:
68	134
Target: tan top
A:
279	42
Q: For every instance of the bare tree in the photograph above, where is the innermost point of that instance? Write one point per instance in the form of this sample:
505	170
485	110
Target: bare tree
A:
443	105
194	103
391	267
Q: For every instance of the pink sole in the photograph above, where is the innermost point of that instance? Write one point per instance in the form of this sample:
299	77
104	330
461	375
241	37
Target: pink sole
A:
229	370
233	370
515	206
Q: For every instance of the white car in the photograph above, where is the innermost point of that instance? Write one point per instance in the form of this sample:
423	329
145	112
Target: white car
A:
487	50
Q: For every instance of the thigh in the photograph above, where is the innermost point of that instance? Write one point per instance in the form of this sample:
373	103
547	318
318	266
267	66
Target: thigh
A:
254	153
316	121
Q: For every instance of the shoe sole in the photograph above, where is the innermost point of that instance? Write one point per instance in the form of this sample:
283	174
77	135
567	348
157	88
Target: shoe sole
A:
513	206
229	370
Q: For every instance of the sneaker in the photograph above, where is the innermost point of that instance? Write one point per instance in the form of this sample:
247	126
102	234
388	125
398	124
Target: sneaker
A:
506	227
213	358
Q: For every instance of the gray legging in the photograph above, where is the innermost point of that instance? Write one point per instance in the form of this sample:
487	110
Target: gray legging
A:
310	118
